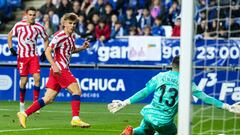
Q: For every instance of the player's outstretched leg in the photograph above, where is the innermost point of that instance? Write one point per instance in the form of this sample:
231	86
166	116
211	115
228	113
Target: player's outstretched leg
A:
127	131
22	116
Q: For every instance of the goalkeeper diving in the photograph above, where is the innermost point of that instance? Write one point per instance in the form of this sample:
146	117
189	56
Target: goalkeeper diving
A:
158	116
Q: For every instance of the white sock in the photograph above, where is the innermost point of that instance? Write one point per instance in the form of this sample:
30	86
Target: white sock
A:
22	108
75	118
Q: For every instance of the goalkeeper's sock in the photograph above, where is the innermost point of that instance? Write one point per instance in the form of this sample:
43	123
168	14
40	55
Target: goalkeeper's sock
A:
75	103
36	92
22	94
35	106
139	131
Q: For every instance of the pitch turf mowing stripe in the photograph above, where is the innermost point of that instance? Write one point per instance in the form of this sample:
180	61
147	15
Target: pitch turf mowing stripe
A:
35	129
20	130
51	111
119	113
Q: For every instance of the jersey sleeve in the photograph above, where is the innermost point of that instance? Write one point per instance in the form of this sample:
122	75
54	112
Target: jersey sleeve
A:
205	98
195	88
54	43
152	84
140	95
14	30
43	33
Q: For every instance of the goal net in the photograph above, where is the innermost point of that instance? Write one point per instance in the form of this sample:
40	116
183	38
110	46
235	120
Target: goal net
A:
216	65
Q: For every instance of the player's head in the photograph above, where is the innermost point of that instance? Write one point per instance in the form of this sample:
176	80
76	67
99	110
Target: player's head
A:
175	63
31	15
69	22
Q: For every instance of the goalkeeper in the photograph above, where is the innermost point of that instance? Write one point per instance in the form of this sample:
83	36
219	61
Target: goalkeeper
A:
159	115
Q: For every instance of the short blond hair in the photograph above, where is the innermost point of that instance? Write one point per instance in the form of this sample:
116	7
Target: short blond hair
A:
69	16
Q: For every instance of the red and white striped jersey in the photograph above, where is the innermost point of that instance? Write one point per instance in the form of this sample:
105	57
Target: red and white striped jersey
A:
27	37
63	46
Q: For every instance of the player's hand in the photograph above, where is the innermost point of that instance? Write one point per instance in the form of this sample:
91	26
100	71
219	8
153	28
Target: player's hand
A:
14	53
43	57
56	70
234	108
86	44
116	106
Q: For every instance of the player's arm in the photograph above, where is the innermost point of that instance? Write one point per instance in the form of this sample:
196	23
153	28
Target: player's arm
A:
48	54
140	95
235	108
10	39
14	53
117	105
208	99
46	42
45	37
83	47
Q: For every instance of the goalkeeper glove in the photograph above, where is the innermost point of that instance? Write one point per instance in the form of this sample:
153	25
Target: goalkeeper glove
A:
14	53
234	108
43	57
117	105
226	107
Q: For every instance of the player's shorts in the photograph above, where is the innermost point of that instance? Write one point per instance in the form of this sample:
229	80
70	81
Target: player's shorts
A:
169	129
28	65
56	82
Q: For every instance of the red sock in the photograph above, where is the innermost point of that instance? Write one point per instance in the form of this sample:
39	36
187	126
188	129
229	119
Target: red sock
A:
22	94
36	92
35	106
75	105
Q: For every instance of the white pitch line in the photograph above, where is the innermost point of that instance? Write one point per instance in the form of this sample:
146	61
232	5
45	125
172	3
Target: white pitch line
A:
19	130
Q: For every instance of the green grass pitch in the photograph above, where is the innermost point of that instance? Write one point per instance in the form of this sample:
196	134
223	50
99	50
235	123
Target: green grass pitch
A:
55	119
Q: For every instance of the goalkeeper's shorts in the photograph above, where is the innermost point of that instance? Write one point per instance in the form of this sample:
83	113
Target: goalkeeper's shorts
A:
169	129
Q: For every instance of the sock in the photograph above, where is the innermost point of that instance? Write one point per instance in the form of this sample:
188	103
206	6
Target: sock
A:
35	106
22	94
75	105
36	92
139	131
75	118
22	107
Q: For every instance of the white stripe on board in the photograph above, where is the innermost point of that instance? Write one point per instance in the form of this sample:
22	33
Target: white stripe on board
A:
15	85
